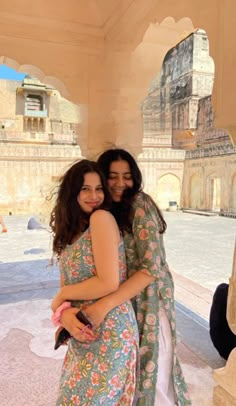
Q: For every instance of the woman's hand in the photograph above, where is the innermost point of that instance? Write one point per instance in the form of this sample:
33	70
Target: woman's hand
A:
57	301
76	329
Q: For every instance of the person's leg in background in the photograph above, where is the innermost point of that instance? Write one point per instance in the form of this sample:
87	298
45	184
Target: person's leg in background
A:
4	228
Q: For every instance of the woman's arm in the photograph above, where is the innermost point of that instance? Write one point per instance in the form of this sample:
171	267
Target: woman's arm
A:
105	246
148	249
98	310
130	288
147	246
61	281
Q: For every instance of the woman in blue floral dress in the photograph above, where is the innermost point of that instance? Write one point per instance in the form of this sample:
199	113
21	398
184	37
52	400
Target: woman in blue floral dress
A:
150	284
90	251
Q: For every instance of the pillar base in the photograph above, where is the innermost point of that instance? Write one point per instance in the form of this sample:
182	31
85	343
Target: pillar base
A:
225	391
222	398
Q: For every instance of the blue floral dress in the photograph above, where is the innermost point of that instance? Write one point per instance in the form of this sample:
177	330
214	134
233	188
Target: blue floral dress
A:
102	372
145	252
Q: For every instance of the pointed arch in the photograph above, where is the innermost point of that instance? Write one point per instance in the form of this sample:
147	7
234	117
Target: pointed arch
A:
168	189
38	73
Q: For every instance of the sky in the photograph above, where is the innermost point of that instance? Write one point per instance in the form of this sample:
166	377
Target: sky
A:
9	73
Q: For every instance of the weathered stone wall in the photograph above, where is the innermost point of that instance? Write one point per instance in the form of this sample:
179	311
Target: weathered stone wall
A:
162	169
8	118
62	116
29	173
199	175
63	109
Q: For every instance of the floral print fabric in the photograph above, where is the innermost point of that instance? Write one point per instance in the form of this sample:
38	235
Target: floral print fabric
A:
145	252
102	372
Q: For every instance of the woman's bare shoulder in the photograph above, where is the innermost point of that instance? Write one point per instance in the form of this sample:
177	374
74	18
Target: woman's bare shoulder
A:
101	216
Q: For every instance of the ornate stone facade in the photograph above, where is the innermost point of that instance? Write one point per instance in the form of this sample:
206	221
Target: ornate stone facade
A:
39	131
185	158
162	169
35	112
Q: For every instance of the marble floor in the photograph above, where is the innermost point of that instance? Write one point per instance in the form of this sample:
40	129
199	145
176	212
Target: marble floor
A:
30	368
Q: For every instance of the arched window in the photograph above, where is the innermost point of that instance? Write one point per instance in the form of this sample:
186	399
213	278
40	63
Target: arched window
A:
34	102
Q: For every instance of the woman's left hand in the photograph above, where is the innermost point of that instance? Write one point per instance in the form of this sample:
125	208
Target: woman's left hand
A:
77	329
57	301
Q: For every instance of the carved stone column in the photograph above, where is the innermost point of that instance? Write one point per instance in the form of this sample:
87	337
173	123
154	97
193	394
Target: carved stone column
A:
225	391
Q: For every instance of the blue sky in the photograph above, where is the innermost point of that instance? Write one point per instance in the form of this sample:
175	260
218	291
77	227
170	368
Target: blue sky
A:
9	73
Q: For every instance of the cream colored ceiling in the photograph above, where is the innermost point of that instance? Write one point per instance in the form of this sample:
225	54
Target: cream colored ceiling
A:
104	54
96	13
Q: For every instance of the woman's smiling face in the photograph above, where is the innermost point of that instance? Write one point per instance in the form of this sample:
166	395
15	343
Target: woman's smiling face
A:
119	179
91	194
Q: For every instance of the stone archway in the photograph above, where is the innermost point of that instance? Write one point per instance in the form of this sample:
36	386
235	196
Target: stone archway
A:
107	76
93	49
168	189
129	74
38	73
57	83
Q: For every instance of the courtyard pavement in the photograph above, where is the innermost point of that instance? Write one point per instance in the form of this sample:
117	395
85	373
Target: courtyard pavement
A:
199	251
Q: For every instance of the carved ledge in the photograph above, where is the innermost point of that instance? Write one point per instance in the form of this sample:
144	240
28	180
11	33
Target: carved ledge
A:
231	129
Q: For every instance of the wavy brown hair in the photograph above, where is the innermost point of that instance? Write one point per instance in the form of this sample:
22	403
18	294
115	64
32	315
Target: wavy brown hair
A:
67	218
123	211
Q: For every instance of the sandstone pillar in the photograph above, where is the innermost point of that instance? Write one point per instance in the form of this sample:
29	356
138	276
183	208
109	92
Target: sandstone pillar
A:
225	391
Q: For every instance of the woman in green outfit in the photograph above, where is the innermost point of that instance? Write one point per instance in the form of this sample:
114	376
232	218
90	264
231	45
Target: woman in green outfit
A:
150	284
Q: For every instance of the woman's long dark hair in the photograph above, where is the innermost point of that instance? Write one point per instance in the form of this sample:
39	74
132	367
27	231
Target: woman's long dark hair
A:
67	219
123	211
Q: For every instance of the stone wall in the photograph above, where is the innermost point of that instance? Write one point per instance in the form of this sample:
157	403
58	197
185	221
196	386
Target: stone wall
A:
202	175
8	118
162	169
60	116
29	173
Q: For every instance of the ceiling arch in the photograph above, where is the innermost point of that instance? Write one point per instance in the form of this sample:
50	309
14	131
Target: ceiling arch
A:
104	52
36	72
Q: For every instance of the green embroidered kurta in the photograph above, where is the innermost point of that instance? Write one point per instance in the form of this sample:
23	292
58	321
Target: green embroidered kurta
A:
145	252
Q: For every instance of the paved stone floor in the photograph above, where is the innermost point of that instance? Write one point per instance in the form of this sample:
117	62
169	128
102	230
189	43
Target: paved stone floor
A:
200	248
199	251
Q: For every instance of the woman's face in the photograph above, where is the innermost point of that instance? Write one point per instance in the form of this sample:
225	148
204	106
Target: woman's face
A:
91	194
119	179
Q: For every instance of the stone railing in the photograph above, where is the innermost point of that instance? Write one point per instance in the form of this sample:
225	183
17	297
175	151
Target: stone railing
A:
159	154
211	134
214	150
37	137
36	113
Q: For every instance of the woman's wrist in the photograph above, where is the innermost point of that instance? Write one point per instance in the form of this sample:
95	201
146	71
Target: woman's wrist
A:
62	293
106	304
